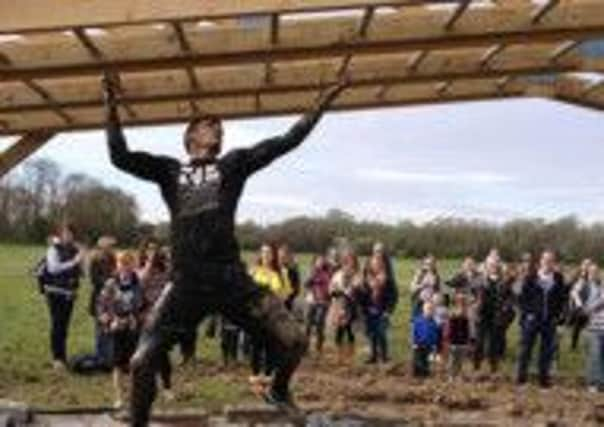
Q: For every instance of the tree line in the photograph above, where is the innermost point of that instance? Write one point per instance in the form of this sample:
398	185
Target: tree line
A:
444	238
39	196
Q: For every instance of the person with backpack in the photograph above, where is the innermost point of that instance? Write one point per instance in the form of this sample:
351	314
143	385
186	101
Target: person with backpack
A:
61	282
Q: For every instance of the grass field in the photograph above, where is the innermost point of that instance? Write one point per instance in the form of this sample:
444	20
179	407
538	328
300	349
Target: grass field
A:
26	375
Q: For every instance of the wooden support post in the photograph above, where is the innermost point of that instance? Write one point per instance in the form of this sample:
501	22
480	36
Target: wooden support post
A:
458	13
185	48
544	10
22	149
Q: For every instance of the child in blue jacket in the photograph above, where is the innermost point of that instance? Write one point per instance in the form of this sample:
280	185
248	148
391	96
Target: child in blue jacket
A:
425	340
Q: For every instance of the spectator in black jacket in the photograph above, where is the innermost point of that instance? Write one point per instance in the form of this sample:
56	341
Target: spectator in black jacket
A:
495	312
378	300
63	260
101	268
542	301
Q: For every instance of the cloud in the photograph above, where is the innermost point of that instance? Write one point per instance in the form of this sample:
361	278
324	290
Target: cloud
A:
278	200
385	175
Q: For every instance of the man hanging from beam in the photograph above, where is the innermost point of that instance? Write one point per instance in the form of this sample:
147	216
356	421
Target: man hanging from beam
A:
208	274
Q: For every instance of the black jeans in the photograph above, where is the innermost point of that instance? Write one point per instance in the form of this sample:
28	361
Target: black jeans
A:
344	332
421	361
490	343
228	290
60	308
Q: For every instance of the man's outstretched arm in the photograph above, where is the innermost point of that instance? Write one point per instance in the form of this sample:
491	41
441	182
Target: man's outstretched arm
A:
140	164
268	150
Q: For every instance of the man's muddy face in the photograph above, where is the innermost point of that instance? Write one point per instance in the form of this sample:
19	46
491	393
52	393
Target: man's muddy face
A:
205	140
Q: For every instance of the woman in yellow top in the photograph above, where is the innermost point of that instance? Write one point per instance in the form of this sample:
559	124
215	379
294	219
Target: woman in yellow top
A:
266	273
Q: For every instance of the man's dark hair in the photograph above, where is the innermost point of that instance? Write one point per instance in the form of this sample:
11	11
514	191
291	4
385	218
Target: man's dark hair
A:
209	119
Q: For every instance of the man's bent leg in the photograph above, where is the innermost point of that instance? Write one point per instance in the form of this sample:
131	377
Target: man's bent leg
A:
174	313
261	313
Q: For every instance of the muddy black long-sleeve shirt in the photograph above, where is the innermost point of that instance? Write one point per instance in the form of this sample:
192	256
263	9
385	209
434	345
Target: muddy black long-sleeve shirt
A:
202	197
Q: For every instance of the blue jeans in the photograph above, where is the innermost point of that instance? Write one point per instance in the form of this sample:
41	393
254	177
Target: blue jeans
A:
532	328
595	359
377	332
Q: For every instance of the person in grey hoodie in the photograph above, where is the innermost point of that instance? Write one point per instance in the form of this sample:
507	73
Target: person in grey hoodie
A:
594	308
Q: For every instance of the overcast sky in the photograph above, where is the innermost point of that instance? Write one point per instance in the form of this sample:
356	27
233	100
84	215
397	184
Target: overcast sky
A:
488	160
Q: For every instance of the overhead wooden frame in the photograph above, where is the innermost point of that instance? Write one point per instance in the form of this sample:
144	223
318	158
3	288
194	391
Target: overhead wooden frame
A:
265	57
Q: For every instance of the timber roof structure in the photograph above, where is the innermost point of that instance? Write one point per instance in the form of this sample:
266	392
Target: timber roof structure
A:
246	58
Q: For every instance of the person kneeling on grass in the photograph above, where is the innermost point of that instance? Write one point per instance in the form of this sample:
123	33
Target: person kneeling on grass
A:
425	340
119	311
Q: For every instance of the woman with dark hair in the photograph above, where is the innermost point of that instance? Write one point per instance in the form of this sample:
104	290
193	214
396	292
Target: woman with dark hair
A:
377	303
266	274
155	278
63	259
493	316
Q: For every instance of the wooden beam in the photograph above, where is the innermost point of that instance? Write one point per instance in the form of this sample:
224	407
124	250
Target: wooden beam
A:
356	82
579	102
20	16
457	14
353	106
366	21
286	54
443	87
564	49
490	54
544	10
591	89
417	60
22	149
185	47
50	101
88	44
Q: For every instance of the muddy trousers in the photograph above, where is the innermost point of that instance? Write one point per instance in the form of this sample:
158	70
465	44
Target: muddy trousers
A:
223	289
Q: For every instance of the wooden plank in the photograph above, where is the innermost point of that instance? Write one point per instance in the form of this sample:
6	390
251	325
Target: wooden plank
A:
281	54
491	54
140	88
25	15
22	149
543	11
226	113
457	14
564	49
